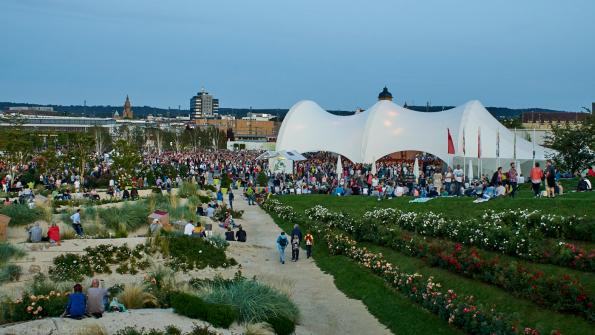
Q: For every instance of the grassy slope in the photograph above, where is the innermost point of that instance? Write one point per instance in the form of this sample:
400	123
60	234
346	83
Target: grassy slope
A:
391	308
573	203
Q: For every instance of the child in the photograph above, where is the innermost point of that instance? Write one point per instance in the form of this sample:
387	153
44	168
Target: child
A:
309	242
295	249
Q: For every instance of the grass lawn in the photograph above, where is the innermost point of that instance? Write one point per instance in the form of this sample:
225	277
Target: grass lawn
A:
463	207
396	312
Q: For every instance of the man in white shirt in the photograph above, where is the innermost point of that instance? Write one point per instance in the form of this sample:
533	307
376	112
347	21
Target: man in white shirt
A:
189	228
76	222
459	176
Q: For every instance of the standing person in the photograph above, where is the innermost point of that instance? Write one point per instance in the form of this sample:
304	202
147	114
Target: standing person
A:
220	198
295	249
550	179
448	180
96	299
296	238
437	181
512	179
230	196
249	194
282	243
459	176
76	222
536	178
309	242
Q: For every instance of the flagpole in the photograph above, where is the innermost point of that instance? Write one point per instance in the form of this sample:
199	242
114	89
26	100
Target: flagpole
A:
533	147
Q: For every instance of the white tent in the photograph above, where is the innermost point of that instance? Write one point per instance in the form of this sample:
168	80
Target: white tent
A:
386	128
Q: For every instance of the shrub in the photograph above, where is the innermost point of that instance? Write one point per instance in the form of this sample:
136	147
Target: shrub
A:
169	330
187	190
282	325
134	297
194	307
187	253
8	251
10	272
255	301
261	328
21	214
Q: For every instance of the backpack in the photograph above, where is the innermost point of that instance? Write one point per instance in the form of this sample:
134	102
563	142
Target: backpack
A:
282	241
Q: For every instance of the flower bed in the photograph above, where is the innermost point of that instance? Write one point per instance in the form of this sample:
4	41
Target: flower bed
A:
459	311
522	237
100	259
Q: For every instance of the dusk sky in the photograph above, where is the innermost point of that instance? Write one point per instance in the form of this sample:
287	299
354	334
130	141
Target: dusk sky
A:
271	54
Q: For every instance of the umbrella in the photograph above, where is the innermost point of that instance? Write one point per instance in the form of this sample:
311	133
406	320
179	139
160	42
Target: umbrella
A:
416	169
470	170
373	167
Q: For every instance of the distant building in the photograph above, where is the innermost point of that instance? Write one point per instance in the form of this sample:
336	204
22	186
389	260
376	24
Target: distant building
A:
30	110
258	116
242	129
61	123
203	105
127	114
545	120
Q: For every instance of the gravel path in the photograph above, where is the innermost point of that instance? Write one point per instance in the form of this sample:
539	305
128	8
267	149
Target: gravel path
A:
324	308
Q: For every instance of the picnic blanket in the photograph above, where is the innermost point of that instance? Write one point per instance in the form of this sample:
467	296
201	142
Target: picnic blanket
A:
420	200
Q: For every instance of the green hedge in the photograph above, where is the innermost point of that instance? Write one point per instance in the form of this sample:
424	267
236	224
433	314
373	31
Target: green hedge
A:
194	307
282	325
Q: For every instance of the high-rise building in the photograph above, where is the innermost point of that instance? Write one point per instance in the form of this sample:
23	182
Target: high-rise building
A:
203	105
127	114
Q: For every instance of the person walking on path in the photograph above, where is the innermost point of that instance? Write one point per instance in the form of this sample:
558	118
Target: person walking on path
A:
296	238
249	195
282	243
230	196
309	242
76	222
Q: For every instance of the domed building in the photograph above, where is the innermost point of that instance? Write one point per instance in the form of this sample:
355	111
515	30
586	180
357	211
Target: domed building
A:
385	95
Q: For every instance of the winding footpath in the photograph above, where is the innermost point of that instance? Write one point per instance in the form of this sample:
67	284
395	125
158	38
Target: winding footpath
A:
324	308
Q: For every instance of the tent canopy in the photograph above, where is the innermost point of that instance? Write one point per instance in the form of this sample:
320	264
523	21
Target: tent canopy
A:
386	128
291	155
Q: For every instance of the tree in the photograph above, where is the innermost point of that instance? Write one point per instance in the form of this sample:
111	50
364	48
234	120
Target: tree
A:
79	148
574	145
126	159
103	139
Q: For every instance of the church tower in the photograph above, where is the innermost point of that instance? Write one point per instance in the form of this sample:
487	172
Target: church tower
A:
127	109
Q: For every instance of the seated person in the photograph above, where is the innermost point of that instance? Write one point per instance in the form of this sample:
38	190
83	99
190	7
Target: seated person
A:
96	299
76	307
229	235
241	234
35	233
198	231
110	192
126	194
54	234
155	226
134	194
7	201
189	228
584	185
339	191
500	190
93	195
210	211
200	211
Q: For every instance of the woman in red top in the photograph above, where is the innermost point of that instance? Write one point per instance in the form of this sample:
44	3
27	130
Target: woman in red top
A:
54	234
536	178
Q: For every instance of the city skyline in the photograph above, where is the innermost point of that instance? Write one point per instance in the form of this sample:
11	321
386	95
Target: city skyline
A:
270	55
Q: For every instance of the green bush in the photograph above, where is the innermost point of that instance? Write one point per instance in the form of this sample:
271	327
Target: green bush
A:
194	307
169	330
255	301
10	272
8	251
282	325
187	253
21	214
187	190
